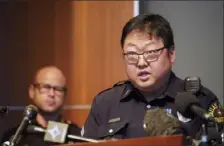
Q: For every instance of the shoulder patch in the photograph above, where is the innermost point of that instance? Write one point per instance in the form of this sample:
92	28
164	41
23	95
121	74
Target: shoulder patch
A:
217	112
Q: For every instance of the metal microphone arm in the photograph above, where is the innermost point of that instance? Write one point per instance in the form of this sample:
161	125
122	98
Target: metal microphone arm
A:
30	113
19	131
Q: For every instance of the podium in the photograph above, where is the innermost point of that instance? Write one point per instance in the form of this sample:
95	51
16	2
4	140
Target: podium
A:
175	140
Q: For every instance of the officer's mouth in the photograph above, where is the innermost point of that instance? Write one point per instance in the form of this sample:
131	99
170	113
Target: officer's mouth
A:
144	74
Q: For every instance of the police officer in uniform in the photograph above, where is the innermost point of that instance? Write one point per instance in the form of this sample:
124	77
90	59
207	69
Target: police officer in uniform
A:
47	92
149	53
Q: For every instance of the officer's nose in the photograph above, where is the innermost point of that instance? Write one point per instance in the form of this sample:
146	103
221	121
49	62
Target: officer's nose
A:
142	62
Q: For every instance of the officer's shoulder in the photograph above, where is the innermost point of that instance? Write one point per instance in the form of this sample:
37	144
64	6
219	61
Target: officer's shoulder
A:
210	99
202	89
119	86
111	94
206	91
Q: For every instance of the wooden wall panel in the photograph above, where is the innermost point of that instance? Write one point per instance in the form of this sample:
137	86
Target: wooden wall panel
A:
96	61
97	57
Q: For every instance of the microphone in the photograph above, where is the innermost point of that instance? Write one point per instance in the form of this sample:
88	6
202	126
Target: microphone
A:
158	122
3	110
192	84
30	113
57	132
188	105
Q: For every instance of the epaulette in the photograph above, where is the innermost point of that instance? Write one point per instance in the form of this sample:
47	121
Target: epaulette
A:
103	91
206	91
115	85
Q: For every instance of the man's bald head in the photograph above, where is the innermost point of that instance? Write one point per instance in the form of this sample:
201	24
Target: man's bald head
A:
52	71
49	89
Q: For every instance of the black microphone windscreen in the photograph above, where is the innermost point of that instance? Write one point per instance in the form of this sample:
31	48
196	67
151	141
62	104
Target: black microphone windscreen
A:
158	122
183	101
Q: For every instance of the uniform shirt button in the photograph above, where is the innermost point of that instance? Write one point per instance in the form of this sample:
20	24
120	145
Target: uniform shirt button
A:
148	106
111	130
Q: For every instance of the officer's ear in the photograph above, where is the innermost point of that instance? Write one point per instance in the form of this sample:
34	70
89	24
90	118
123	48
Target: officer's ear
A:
172	54
31	91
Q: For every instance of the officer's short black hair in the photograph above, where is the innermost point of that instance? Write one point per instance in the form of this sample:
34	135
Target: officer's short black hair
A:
153	24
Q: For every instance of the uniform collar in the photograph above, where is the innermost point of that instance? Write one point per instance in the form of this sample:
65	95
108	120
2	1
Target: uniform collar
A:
175	85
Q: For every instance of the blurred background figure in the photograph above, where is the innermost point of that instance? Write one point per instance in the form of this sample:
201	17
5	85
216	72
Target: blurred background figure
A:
48	93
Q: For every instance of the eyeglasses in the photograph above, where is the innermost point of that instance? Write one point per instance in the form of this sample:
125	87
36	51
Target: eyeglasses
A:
149	56
45	88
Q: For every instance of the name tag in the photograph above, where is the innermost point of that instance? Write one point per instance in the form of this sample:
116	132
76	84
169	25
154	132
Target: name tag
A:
114	120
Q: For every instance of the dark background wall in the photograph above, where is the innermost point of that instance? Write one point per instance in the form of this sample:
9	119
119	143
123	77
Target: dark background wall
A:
22	51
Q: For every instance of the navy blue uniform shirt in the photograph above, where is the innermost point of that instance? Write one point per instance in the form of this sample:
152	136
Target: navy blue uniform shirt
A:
118	112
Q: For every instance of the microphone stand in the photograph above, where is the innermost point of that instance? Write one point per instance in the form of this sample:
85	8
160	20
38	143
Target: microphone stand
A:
215	139
220	130
204	135
30	113
15	139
